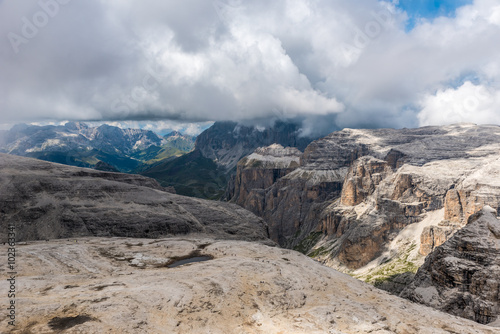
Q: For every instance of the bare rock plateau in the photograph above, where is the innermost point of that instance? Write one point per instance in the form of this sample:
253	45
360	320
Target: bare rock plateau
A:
123	285
51	201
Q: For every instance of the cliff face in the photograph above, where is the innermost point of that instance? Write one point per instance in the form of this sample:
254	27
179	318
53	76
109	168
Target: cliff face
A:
206	171
366	200
49	201
363	177
462	276
259	171
228	142
255	189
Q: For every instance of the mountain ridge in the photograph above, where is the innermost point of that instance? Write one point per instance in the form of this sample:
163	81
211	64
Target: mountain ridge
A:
216	153
79	144
50	201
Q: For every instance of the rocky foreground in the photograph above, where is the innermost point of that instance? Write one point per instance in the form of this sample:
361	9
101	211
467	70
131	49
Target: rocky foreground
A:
51	201
121	285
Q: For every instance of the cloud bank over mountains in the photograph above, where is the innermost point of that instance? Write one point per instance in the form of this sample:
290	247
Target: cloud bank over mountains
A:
333	63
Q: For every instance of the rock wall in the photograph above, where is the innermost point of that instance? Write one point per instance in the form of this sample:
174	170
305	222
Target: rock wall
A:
364	176
462	276
355	191
434	236
261	170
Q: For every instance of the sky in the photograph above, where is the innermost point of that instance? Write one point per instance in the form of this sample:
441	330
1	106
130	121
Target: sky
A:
329	64
418	10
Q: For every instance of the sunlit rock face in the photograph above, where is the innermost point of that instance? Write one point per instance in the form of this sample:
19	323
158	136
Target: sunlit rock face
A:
362	200
259	171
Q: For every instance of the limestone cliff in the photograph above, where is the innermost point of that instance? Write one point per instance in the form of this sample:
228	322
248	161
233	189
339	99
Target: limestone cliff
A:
375	202
462	276
259	171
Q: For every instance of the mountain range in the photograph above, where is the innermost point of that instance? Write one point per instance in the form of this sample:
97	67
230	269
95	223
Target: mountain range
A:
199	166
78	144
206	171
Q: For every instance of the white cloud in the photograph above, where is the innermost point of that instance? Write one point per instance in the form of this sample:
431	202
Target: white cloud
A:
336	63
468	103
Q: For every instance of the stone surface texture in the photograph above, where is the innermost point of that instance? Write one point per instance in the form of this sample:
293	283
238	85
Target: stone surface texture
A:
49	201
462	276
122	285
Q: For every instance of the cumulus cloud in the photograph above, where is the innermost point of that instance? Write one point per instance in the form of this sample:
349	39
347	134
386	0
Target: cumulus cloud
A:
330	63
467	103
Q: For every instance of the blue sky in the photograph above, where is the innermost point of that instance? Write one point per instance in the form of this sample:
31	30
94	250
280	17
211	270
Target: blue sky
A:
429	9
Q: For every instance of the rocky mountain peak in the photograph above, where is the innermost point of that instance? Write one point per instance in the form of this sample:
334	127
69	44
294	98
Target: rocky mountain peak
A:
173	134
180	141
228	142
76	126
